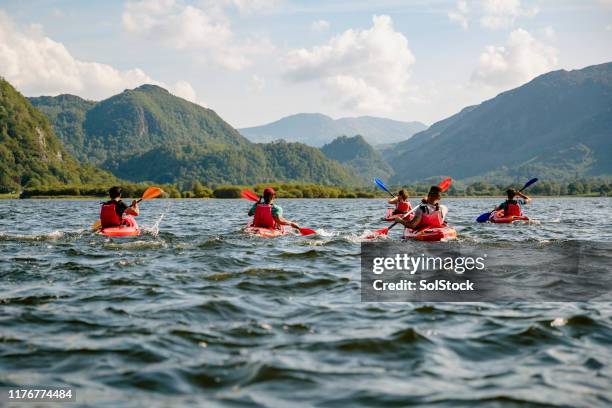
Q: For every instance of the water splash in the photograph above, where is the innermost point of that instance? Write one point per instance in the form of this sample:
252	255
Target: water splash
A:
154	230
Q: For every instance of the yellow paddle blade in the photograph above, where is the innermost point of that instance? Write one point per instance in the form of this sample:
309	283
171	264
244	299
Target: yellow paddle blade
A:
151	192
96	225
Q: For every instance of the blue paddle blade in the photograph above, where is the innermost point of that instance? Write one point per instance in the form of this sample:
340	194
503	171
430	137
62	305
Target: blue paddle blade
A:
530	182
484	217
380	184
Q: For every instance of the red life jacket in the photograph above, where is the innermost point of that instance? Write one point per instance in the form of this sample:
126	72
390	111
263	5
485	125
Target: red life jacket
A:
402	207
108	215
263	216
430	220
512	209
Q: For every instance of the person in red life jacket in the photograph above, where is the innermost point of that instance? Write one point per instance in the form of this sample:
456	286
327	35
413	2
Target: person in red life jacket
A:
402	206
512	206
112	211
430	214
267	214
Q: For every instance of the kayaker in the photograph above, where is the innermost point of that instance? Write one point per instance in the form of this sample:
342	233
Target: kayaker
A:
267	214
430	212
112	211
511	206
402	206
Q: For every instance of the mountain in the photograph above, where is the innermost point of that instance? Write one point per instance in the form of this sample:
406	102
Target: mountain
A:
31	155
358	156
138	120
557	125
316	129
148	134
67	114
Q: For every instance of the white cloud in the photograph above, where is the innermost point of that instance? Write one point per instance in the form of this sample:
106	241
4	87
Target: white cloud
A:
204	29
503	13
493	14
366	70
460	14
520	60
37	65
250	6
320	26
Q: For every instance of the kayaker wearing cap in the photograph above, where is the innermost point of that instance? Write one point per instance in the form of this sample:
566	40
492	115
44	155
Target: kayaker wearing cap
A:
267	214
112	211
402	206
511	206
430	213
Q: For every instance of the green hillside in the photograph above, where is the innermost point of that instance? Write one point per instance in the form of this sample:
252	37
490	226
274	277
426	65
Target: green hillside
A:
149	134
558	125
357	155
31	155
220	165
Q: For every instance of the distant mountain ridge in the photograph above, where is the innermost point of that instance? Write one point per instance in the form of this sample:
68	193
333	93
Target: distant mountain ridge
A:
316	129
557	125
148	134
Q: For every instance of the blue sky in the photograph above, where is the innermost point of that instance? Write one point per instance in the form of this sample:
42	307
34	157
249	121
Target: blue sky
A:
256	61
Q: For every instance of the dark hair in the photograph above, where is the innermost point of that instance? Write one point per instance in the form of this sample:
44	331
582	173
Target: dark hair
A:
434	192
268	196
403	193
114	192
511	193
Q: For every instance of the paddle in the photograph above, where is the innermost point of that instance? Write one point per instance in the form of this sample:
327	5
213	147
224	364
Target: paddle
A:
149	193
444	185
380	184
485	216
249	195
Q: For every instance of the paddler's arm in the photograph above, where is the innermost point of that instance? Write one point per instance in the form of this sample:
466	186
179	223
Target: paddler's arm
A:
133	209
393	200
410	223
524	197
282	221
252	210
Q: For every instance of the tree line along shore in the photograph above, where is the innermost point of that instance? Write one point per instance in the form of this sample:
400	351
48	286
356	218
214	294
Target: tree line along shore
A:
594	188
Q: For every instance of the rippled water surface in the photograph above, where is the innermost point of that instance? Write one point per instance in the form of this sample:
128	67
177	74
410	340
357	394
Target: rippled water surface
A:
195	313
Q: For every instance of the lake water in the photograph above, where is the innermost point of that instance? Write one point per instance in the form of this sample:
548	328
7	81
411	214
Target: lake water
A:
195	313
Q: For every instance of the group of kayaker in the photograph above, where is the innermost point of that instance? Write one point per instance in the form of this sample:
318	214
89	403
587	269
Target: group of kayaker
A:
430	214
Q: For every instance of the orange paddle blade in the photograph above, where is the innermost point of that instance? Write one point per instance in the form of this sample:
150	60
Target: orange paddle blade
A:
378	233
445	184
151	192
249	195
307	231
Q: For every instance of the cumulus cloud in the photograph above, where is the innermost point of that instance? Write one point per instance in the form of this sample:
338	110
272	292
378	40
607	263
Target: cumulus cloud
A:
320	26
366	70
492	14
37	65
204	28
520	60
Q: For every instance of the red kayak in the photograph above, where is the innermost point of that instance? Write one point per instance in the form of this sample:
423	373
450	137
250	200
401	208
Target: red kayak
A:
498	217
128	229
431	234
265	232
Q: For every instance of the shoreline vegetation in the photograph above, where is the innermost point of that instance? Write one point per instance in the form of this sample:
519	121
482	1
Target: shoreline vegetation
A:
579	188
